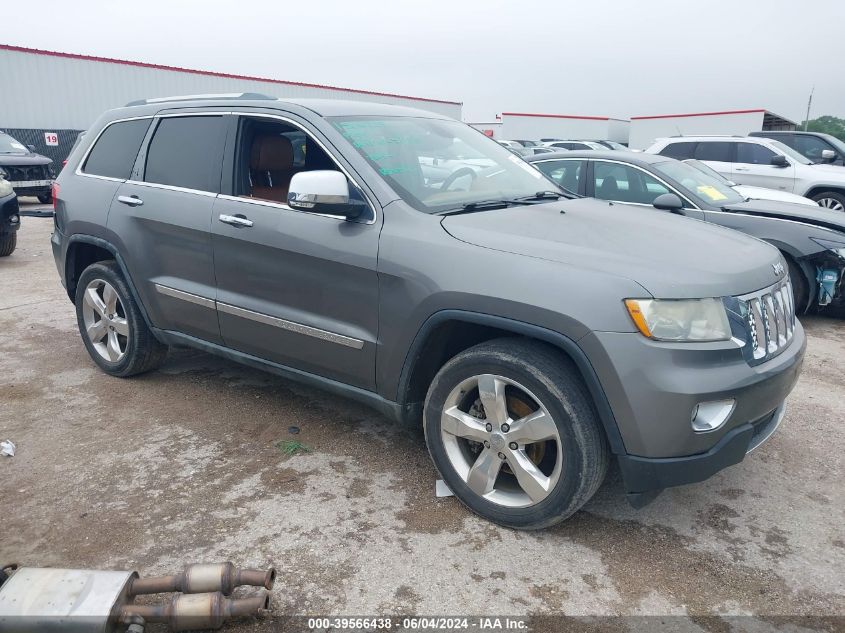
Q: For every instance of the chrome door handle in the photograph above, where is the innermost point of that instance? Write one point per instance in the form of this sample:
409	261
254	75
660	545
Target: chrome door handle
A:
235	220
741	169
132	201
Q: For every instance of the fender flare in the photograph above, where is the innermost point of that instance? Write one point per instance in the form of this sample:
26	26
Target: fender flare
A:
569	346
111	248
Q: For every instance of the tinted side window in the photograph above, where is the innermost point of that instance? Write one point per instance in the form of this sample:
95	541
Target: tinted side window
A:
625	184
810	146
566	173
716	150
679	151
186	152
752	154
115	151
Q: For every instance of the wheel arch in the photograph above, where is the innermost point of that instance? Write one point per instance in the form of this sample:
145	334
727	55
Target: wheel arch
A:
84	250
817	189
449	332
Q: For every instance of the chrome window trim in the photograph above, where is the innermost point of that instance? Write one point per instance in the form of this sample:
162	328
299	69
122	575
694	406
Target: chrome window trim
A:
259	317
84	158
322	146
185	296
156	185
277	205
291	326
645	171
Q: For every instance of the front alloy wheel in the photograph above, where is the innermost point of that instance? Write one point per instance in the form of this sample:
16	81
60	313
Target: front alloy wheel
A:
501	441
105	320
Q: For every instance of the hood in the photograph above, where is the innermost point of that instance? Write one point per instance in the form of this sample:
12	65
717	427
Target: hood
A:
24	159
834	170
670	256
761	193
815	215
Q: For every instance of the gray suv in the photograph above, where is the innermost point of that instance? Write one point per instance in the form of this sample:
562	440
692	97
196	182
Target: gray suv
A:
406	260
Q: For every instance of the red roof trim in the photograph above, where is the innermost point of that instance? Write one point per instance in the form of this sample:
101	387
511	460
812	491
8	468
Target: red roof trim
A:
209	73
559	116
680	116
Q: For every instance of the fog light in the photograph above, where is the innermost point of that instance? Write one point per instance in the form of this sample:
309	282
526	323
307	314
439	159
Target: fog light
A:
709	416
14	219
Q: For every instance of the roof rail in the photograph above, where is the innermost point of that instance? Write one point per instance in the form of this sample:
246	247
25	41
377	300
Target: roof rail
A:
251	96
707	135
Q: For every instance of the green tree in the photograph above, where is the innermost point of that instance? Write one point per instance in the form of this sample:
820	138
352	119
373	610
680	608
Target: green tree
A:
828	125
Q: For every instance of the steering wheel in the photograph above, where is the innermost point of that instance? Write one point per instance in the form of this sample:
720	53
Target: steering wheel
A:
458	173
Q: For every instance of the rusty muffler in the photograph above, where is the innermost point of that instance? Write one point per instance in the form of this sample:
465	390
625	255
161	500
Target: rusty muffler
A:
205	578
190	612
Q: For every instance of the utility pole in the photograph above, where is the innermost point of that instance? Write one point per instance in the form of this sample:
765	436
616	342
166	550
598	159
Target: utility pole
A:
809	103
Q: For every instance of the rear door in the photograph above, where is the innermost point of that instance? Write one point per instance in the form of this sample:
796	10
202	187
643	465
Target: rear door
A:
162	216
718	154
753	166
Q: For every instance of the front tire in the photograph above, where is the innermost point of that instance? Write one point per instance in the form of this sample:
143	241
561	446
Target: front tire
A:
832	200
800	287
111	324
8	243
513	432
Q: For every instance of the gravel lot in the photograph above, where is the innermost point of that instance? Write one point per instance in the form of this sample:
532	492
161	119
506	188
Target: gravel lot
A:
181	465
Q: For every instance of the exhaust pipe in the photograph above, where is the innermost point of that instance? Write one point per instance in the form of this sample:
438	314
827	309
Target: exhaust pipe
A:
205	578
191	612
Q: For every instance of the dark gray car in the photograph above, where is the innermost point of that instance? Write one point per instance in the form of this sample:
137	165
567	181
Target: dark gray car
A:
533	336
812	239
29	173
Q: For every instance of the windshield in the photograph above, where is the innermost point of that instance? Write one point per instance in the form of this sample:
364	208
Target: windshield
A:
8	145
707	169
699	186
439	165
837	143
786	149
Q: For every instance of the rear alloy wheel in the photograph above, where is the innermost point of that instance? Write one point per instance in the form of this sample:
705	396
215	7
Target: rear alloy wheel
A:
831	200
111	324
511	428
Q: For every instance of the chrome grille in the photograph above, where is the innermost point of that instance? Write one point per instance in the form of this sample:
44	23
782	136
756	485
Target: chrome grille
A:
770	319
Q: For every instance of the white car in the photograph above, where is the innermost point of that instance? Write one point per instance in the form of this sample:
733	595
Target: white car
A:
760	162
575	145
510	144
752	193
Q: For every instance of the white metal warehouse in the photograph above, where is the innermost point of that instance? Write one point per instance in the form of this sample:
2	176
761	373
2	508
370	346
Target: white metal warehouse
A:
645	129
63	93
525	125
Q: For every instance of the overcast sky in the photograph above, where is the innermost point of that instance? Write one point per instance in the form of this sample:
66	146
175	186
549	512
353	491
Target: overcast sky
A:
614	57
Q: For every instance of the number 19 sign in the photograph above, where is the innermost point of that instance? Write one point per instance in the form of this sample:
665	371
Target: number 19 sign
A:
51	139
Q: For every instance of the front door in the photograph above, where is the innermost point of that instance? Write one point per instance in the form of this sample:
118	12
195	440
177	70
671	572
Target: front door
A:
753	166
295	288
163	215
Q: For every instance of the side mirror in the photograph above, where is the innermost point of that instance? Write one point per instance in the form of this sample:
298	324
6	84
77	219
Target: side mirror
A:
779	160
669	202
31	148
323	191
828	155
731	183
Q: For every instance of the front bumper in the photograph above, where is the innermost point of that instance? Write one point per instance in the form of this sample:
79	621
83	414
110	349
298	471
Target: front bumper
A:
653	387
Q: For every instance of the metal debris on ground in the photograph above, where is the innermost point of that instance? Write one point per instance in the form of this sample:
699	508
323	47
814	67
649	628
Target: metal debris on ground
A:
7	448
442	490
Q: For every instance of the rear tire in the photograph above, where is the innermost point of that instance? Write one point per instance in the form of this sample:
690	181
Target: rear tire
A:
8	243
111	324
832	200
45	198
800	287
550	467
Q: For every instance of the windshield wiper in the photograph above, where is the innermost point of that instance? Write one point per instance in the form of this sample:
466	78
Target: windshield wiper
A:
549	195
484	205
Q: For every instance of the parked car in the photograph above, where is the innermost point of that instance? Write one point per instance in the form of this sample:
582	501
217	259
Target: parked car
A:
610	144
31	174
760	162
10	219
811	239
814	146
575	145
526	143
531	335
510	144
533	151
751	193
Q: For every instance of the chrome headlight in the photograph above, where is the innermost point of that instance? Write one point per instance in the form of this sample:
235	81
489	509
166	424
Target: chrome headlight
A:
681	320
5	188
838	248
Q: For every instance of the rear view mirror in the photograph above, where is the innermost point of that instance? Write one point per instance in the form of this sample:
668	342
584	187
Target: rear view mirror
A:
323	191
780	161
828	155
669	202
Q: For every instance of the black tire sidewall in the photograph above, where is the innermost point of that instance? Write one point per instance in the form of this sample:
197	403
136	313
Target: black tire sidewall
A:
567	495
107	271
830	194
800	287
8	243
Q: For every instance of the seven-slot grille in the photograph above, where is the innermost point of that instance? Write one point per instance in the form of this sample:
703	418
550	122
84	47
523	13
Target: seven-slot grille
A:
771	319
25	173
